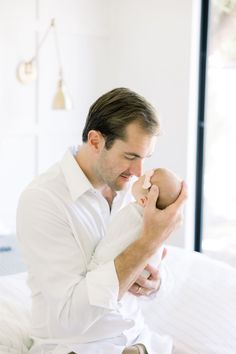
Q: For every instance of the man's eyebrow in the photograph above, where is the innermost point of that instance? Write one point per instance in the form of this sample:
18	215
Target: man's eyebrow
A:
136	155
132	154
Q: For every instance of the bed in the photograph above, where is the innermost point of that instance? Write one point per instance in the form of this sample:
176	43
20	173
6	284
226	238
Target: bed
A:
196	306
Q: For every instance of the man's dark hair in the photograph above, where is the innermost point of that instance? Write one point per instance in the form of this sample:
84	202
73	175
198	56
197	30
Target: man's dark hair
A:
111	113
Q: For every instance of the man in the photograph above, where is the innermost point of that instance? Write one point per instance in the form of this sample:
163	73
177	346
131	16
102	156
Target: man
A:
63	214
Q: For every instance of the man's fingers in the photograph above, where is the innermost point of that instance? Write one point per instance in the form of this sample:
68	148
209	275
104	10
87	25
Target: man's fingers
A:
150	282
152	197
153	272
134	289
164	253
148	285
183	195
144	286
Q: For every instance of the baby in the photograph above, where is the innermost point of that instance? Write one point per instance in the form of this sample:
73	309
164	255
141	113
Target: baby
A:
125	226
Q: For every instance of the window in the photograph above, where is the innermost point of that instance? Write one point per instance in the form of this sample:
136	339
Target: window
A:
218	237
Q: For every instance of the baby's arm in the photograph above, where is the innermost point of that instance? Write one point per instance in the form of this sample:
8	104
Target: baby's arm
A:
123	229
154	261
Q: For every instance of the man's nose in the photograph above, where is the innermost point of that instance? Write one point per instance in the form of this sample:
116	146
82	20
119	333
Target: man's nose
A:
137	168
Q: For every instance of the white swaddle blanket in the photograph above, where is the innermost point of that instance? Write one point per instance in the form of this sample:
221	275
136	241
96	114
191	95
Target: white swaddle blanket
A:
123	229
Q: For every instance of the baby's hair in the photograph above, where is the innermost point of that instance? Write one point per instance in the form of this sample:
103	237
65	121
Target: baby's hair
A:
169	187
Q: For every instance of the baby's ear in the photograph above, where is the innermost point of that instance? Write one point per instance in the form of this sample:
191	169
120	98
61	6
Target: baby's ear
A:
142	201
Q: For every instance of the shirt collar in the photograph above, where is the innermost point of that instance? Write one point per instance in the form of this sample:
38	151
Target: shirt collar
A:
76	180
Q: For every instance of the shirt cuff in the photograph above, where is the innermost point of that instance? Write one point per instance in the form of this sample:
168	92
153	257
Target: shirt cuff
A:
103	286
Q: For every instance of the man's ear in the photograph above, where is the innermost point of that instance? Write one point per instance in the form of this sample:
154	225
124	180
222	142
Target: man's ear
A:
95	140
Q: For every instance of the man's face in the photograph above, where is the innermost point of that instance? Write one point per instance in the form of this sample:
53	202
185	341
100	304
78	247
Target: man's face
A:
116	166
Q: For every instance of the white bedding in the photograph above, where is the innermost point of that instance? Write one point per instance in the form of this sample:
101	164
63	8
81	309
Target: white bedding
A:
14	315
199	308
196	307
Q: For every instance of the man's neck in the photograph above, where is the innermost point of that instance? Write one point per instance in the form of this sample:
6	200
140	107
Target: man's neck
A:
85	161
108	194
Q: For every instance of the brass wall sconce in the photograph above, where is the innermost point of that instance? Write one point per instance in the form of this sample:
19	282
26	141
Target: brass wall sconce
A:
27	72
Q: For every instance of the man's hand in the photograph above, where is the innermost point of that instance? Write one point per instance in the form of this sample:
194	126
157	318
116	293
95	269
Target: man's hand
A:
159	224
150	285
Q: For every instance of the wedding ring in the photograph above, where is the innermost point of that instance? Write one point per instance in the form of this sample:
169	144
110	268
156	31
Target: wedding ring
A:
138	290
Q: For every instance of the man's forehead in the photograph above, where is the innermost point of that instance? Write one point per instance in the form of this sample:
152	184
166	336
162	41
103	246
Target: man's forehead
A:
135	128
140	148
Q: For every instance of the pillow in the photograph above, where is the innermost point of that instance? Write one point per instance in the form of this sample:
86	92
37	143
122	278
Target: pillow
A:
14	315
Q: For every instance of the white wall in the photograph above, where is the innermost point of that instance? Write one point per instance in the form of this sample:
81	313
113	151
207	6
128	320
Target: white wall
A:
153	48
32	135
146	45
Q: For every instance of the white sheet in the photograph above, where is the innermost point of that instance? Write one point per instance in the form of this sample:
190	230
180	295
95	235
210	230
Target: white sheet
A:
14	315
197	307
199	310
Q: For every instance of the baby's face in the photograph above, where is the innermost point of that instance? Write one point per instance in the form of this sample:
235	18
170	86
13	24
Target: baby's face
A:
168	183
137	189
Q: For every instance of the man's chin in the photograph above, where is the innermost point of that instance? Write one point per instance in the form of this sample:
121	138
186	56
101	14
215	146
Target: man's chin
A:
122	183
119	184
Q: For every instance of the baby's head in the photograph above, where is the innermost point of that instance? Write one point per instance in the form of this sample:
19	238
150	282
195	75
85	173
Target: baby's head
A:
168	183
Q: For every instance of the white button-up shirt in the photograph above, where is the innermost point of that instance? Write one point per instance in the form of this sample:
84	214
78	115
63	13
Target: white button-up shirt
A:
60	220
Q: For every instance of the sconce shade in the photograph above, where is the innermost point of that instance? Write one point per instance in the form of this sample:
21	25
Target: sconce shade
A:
27	72
62	99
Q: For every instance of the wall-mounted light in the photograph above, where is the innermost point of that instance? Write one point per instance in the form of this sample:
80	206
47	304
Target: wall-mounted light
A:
27	72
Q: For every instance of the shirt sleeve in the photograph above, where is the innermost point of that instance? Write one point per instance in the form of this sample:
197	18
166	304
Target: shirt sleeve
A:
104	280
71	298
